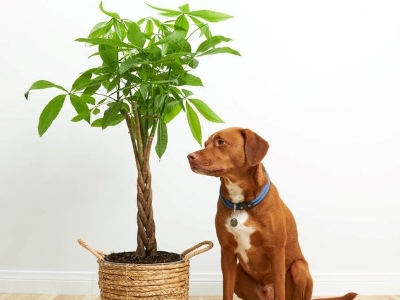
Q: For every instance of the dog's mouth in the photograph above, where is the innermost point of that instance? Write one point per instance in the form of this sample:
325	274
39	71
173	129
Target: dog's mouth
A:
207	171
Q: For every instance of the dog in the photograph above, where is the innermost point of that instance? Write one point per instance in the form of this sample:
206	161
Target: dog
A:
261	258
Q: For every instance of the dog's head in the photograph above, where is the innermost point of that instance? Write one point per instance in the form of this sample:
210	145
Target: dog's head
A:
229	151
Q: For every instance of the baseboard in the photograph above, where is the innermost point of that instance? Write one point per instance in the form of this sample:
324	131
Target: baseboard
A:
361	283
43	282
201	284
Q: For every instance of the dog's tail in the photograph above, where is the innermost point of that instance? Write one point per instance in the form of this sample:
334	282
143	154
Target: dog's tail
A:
348	296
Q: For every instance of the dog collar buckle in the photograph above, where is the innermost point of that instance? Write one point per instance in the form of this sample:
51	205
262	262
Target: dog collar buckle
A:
244	205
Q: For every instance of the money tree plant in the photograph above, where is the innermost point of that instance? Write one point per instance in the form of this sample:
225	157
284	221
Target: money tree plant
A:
142	80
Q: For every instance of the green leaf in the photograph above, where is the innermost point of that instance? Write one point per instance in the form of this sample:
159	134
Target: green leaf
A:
176	69
175	37
112	84
110	14
119	30
111	114
220	50
128	63
181	23
184	8
96	111
175	93
91	89
162	138
194	123
193	63
172	109
43	84
49	113
180	46
115	121
206	111
149	27
135	35
153	53
209	15
212	42
204	28
181	57
104	41
166	12
190	79
82	81
144	88
96	82
97	122
88	99
82	116
80	106
109	55
100	29
187	92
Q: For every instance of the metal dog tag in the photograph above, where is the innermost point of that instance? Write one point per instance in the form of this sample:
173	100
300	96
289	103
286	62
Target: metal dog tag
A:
233	222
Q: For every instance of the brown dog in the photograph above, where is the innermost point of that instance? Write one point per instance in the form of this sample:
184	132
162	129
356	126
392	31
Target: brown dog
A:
260	252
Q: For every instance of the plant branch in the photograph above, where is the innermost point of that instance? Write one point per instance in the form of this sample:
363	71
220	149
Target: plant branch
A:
138	134
128	121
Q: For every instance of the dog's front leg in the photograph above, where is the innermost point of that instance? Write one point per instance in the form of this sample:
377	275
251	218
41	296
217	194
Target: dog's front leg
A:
228	266
278	270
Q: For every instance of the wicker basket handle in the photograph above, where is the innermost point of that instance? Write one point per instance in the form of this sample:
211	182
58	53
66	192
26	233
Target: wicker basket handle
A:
197	249
97	253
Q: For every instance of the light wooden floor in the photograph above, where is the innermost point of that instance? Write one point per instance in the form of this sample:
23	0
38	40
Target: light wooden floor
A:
77	297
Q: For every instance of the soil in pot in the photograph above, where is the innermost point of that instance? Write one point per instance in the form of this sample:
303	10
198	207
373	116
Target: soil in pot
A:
133	258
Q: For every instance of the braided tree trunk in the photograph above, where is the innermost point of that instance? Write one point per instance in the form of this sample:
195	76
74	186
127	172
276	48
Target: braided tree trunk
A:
146	235
146	239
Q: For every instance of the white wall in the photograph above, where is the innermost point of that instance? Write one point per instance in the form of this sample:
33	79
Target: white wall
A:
318	79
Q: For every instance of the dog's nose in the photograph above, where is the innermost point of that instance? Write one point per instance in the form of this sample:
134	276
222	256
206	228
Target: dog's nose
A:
192	156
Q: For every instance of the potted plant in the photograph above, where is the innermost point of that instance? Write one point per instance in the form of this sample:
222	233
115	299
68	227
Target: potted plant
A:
145	69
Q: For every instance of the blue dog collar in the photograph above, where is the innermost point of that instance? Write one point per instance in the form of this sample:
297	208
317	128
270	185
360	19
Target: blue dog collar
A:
246	204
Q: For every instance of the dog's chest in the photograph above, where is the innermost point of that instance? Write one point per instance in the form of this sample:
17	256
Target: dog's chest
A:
242	231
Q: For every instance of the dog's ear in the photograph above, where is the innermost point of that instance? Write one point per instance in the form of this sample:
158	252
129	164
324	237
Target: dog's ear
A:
255	147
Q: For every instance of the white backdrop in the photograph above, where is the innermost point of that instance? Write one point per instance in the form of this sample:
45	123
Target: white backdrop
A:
318	79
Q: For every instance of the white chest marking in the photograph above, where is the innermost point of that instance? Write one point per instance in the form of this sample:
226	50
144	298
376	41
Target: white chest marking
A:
241	232
235	192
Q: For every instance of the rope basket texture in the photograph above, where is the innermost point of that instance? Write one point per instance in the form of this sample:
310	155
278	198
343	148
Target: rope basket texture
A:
167	281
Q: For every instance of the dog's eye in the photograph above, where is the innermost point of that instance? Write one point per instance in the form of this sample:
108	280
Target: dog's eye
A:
220	142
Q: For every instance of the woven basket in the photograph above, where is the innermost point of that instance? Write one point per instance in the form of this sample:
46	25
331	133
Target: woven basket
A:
118	281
